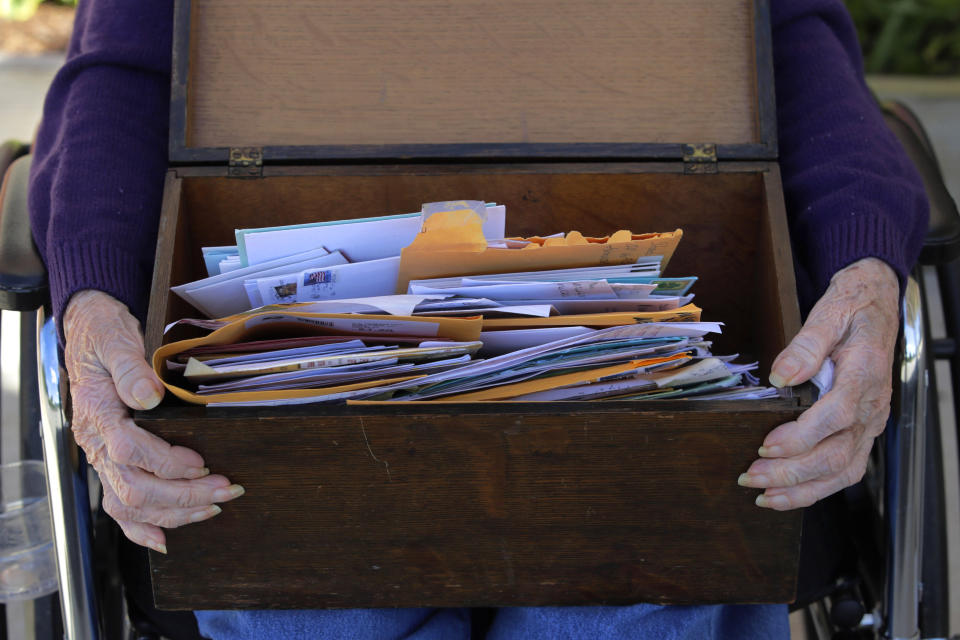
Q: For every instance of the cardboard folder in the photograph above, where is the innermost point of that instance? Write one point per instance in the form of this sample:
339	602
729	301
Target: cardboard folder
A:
451	243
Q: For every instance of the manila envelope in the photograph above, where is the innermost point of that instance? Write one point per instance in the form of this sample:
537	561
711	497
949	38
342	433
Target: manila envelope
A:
686	313
451	243
276	324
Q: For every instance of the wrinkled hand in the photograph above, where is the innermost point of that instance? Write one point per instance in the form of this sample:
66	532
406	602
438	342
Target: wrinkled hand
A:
147	484
826	449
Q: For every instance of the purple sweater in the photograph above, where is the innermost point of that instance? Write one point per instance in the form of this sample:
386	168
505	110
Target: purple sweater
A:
101	152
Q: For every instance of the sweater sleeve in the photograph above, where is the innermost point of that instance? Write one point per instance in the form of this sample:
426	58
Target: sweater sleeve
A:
850	189
101	153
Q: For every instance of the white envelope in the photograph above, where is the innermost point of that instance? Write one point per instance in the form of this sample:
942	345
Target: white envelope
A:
355	280
526	291
360	240
225	295
496	343
253	293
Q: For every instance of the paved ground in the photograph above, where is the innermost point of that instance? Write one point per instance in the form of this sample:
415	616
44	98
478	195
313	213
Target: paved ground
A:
23	83
937	103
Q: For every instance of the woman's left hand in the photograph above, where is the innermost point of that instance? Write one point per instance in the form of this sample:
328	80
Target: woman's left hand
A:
827	447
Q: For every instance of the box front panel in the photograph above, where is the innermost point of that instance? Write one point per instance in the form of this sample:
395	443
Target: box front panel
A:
528	505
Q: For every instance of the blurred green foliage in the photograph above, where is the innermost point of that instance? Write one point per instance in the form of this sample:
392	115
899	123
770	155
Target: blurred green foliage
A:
23	9
909	36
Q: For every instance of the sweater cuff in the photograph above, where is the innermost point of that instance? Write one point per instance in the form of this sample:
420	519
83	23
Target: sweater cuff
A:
853	239
77	265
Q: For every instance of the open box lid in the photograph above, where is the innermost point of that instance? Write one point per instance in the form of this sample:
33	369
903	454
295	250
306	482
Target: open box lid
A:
302	81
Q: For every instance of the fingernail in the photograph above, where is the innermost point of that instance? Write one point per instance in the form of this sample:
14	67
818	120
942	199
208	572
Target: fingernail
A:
772	502
196	473
751	480
785	370
205	514
146	394
157	546
228	493
770	452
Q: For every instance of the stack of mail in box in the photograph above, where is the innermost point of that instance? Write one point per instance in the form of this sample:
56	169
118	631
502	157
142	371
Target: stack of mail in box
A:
439	305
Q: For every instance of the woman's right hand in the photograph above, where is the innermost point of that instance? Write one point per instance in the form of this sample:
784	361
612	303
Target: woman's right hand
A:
147	483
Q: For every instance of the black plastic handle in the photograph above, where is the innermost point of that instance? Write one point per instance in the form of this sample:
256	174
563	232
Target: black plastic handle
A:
23	276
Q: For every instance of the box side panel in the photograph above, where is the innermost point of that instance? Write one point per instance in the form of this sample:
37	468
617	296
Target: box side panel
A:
169	263
514	508
777	311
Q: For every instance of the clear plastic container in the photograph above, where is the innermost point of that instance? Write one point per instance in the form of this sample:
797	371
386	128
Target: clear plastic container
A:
28	565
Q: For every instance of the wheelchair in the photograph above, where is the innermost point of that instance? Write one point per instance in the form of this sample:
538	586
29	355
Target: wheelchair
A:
873	557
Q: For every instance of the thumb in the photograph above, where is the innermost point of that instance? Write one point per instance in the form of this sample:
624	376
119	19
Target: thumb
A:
121	353
805	354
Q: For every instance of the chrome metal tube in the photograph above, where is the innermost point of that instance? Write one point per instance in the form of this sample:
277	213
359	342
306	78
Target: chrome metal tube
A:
906	448
66	471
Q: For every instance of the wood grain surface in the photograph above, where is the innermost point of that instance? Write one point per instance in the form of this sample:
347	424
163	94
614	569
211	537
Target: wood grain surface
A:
378	72
515	504
504	503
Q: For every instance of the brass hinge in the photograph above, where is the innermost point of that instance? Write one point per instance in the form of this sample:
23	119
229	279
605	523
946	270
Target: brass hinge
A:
245	162
700	158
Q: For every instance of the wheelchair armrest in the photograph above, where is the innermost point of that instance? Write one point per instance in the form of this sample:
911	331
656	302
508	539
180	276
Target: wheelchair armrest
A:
942	243
23	276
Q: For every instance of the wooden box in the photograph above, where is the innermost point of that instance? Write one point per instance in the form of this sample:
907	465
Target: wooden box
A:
592	116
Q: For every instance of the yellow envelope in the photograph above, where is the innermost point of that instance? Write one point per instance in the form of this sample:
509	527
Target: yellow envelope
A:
554	382
686	313
451	243
281	324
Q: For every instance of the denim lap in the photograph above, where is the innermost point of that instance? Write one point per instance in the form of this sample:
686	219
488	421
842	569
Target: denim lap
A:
336	624
637	622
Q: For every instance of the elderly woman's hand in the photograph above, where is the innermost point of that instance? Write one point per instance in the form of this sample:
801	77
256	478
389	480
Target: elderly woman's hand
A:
147	484
826	449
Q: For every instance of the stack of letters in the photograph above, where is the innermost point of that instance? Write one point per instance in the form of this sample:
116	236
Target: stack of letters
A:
440	306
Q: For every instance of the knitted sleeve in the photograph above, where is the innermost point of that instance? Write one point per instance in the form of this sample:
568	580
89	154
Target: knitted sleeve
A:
101	153
851	191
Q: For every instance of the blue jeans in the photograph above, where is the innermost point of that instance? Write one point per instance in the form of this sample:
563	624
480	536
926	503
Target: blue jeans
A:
715	622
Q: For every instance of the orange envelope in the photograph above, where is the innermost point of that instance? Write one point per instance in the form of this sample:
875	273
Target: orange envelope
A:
686	313
451	243
279	324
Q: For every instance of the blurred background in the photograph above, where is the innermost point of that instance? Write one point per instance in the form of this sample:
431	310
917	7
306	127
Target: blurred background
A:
911	52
